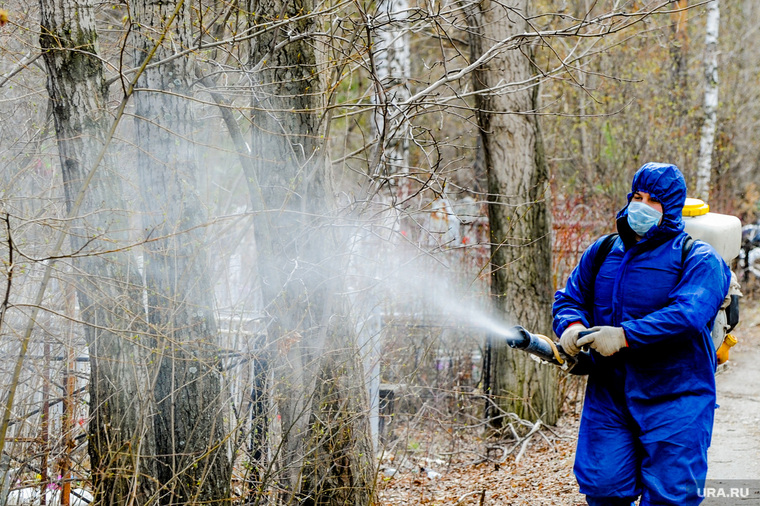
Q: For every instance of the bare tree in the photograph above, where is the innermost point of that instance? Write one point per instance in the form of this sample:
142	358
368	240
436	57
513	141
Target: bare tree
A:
191	401
325	452
518	210
109	285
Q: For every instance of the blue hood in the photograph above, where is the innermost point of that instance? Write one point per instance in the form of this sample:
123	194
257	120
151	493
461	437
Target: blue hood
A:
664	182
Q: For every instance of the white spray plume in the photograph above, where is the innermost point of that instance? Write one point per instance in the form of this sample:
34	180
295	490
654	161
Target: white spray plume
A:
420	283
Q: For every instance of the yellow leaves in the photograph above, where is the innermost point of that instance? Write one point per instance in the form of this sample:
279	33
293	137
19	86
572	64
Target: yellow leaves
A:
3	17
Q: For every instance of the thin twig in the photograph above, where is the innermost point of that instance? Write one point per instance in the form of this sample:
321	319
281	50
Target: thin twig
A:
526	440
482	493
9	276
24	63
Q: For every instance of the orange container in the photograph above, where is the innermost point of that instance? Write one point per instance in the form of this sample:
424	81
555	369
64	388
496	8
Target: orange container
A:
722	352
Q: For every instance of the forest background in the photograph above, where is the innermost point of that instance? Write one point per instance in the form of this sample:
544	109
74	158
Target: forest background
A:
246	245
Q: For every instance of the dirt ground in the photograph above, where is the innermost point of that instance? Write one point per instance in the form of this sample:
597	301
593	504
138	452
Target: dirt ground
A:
442	463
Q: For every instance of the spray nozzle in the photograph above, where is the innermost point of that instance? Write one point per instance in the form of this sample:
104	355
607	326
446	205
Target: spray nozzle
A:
545	349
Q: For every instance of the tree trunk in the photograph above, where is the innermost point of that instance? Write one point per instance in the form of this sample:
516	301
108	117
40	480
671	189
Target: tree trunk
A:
518	195
325	452
194	466
392	65
679	51
108	285
710	107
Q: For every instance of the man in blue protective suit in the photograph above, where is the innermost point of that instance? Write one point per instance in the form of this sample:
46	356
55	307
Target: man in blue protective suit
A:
648	413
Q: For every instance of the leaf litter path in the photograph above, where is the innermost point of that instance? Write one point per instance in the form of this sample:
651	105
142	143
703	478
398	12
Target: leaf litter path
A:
439	476
735	450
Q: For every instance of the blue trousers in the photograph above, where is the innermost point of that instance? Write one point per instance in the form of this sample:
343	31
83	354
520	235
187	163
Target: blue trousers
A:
656	450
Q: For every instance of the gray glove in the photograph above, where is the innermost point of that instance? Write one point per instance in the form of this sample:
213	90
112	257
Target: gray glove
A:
569	338
605	340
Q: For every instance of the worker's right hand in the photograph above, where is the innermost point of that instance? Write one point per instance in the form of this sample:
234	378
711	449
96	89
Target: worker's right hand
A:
569	338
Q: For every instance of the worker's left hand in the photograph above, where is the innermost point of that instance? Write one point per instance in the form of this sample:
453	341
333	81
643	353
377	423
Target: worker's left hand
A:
605	340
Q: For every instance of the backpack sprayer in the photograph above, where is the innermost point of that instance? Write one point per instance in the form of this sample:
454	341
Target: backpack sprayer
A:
724	233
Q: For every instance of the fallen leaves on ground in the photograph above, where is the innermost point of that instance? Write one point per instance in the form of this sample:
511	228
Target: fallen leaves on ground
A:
438	466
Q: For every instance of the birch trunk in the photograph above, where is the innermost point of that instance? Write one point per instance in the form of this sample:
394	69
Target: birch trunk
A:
710	106
392	55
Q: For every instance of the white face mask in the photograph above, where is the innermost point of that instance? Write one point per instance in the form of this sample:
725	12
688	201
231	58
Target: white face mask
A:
642	218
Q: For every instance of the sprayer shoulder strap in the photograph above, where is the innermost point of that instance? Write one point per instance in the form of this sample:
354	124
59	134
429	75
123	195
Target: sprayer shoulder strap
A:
686	248
606	246
604	249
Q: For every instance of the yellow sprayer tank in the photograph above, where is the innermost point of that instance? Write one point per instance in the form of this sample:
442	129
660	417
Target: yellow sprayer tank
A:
721	231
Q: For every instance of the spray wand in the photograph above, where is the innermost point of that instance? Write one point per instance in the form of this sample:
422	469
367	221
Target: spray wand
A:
547	350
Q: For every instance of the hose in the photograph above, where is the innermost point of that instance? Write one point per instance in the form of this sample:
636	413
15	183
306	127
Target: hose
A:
553	347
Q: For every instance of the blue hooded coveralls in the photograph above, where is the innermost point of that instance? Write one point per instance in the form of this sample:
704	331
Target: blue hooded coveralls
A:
648	413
